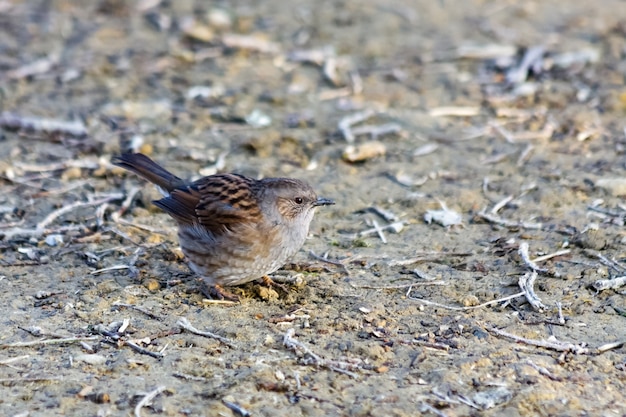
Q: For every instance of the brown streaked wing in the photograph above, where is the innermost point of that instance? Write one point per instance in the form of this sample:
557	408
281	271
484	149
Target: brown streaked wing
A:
181	204
226	199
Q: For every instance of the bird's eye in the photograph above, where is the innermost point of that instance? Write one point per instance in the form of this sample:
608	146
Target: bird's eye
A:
298	200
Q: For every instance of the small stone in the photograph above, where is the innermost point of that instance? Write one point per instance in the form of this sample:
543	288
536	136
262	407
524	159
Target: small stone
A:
72	173
152	285
154	239
363	152
615	186
197	30
219	19
54	240
269	340
470	300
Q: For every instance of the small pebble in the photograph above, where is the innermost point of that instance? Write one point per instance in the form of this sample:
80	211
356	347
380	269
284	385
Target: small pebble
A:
72	173
363	152
54	240
152	285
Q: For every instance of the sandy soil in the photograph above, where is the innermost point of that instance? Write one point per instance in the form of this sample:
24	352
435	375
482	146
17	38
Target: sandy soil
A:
529	156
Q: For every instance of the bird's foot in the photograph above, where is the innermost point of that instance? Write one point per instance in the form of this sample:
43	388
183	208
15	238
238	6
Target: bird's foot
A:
216	291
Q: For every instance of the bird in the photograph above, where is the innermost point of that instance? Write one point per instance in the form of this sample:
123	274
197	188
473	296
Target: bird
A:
232	229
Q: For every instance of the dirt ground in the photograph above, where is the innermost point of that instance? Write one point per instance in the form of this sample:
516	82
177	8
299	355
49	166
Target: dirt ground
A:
500	122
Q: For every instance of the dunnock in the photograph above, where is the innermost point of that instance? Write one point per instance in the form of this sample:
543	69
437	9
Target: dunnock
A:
232	229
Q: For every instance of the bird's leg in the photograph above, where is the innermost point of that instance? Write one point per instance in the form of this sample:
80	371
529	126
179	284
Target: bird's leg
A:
216	291
269	282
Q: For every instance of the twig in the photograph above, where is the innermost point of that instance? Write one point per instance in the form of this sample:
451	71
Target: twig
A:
346	123
427	407
608	212
328	261
379	231
422	275
356	82
78	204
109	268
526	283
143	351
524	155
496	207
605	284
432	303
552	255
395	227
236	408
609	346
385	214
523	251
141	226
130	197
559	306
185	324
31	379
8	362
609	262
11	121
427	257
376	130
492	218
220	302
146	400
138	308
37	331
121	234
454	111
190	377
311	358
86	163
532	59
503	132
47	342
400	286
40	228
556	345
543	371
432	345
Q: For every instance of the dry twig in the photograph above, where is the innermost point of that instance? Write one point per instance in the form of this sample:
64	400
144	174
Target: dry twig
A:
580	349
492	218
236	408
610	346
308	357
526	283
11	121
523	251
147	398
543	371
138	308
454	308
47	342
605	284
143	351
346	123
400	286
40	228
185	324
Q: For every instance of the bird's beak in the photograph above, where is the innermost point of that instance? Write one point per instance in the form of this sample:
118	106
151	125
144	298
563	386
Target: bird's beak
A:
323	202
